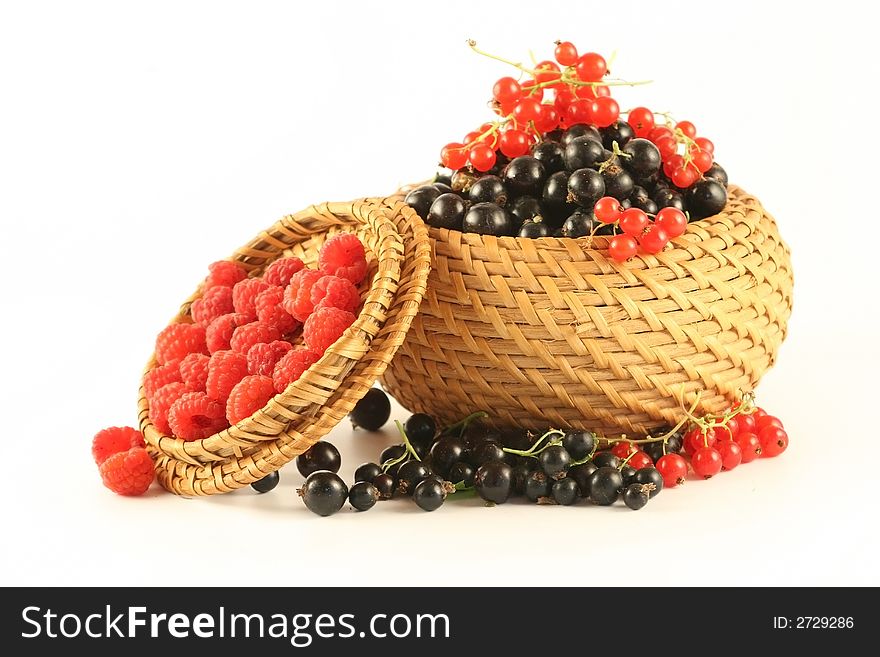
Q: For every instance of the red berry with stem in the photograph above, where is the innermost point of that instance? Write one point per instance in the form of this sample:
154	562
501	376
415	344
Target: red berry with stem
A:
746	423
706	462
563	99
622	449
750	445
548	119
634	222
667	146
607	209
684	176
622	247
526	110
658	132
514	143
579	111
453	155
687	128
705	145
731	454
640	460
605	111
773	439
547	71
506	90
654	240
566	53
591	67
697	438
642	121
673	468
531	89
728	431
482	157
702	160
672	220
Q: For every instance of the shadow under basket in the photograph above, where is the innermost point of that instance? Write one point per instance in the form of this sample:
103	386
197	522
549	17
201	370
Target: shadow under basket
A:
398	255
546	332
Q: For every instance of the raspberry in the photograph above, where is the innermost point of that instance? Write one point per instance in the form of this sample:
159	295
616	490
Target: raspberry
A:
195	416
179	340
280	271
298	295
343	255
292	366
270	311
225	369
219	332
244	295
248	335
128	473
249	396
161	375
324	326
112	440
335	292
263	357
215	302
224	273
194	372
162	401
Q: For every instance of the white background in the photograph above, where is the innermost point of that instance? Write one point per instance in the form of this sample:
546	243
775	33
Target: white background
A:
141	141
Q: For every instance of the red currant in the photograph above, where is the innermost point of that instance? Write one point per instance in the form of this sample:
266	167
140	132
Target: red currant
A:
702	160
591	67
634	221
773	439
607	209
482	157
547	71
750	445
758	413
747	423
563	99
697	439
548	119
706	462
654	240
605	111
768	421
728	431
672	220
731	454
705	144
622	247
566	53
526	110
580	111
683	177
667	146
513	143
622	449
506	90
642	121
687	128
673	468
640	460
658	132
453	155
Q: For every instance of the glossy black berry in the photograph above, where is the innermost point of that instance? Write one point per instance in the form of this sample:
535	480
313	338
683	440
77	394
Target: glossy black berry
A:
585	187
462	473
627	472
429	494
555	193
717	172
650	476
444	453
320	456
323	492
363	496
565	491
420	430
367	472
524	175
443	188
488	189
580	130
384	483
392	453
618	182
534	228
488	219
554	461
606	458
443	177
674	443
582	153
525	208
706	198
581	474
644	158
537	485
668	198
372	410
635	496
409	475
486	452
267	483
549	153
579	444
522	468
578	224
619	131
447	211
494	481
605	485
421	198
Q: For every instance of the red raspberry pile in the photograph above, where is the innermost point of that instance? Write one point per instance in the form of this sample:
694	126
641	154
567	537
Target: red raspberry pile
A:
251	337
639	231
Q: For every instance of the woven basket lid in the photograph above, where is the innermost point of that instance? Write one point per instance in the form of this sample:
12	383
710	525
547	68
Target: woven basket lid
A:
399	258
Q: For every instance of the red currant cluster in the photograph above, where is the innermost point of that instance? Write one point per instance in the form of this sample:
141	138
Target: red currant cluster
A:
686	157
637	228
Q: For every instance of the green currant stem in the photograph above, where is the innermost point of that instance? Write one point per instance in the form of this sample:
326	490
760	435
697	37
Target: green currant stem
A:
392	462
406	443
463	423
534	449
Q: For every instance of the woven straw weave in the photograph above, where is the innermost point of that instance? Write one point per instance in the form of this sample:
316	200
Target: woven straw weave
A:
546	331
398	253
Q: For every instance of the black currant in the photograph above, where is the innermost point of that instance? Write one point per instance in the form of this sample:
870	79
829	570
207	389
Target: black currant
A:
484	453
488	219
488	189
421	198
620	132
582	153
585	187
447	211
706	198
635	496
367	472
581	474
650	476
565	491
320	456
605	485
534	228
323	492
537	485
443	177
462	473
618	182
525	208
606	459
444	453
524	175
371	411
554	461
644	158
717	172
549	153
522	468
429	494
628	473
579	444
384	483
625	204
443	188
580	130
674	443
392	453
605	229
363	495
494	481
267	483
555	194
668	198
501	161
578	224
409	476
475	433
420	430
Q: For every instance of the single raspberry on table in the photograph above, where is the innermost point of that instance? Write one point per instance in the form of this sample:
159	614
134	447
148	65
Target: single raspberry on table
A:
244	295
196	416
280	271
343	255
215	302
225	369
263	356
112	440
224	273
219	332
335	292
194	372
270	311
129	472
298	295
162	401
161	375
325	326
248	396
176	341
291	367
245	337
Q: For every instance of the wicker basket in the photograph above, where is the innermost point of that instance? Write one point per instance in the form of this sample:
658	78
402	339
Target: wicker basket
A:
398	253
546	332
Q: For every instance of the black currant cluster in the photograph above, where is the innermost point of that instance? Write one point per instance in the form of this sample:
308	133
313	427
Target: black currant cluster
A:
552	191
